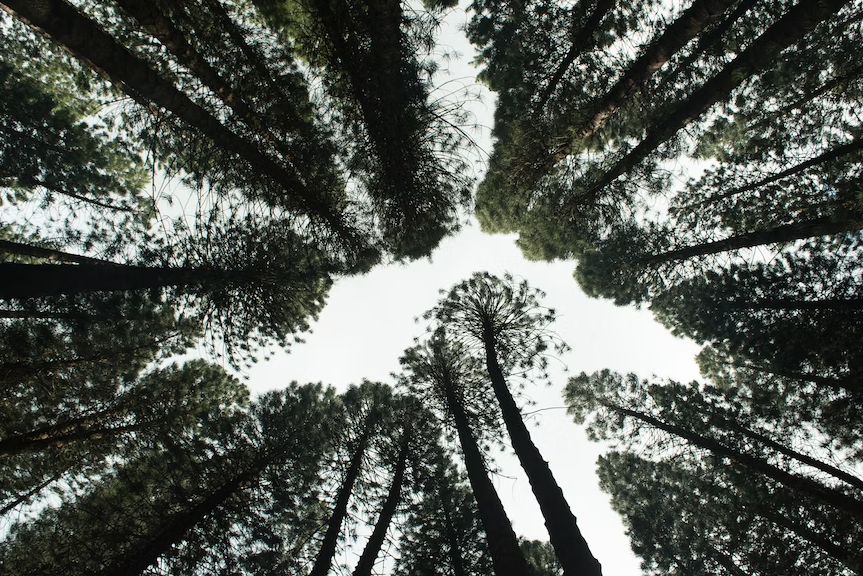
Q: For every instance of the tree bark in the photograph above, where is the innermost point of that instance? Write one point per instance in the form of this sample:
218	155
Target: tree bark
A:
792	304
179	524
698	16
569	544
581	40
782	449
62	433
20	249
373	547
838	152
22	498
63	24
324	559
455	553
839	553
37	280
826	494
506	556
797	22
823	226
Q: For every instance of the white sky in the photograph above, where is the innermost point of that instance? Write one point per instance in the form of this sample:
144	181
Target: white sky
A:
369	320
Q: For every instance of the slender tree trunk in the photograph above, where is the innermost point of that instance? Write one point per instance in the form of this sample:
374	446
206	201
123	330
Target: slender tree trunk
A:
20	249
455	553
793	304
838	152
147	13
44	315
63	432
39	444
690	23
37	280
22	498
782	449
826	494
764	51
506	556
30	181
842	554
62	23
324	559
176	527
726	561
373	547
582	39
824	226
569	545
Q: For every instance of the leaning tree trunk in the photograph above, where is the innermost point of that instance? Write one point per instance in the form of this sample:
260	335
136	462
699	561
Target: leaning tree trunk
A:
373	547
824	226
698	16
64	433
764	51
66	26
36	280
20	249
807	486
455	552
569	545
324	559
506	556
147	554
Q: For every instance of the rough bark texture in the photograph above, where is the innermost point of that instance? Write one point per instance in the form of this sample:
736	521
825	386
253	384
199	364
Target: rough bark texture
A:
506	556
569	545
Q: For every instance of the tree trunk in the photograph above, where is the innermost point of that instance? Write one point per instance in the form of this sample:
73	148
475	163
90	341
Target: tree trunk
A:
824	226
840	553
324	559
569	545
64	432
764	51
581	40
63	24
20	249
690	23
792	304
838	152
782	449
37	280
826	494
455	553
373	547
22	498
506	556
176	527
147	14
45	315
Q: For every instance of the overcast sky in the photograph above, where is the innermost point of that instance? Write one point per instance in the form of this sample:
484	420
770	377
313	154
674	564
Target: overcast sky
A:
369	320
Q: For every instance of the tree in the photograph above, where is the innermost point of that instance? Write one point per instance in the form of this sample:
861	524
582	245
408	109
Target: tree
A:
440	372
250	284
621	403
239	483
693	516
503	322
443	533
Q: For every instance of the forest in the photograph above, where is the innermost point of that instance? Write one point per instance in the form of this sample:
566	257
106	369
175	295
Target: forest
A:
198	175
